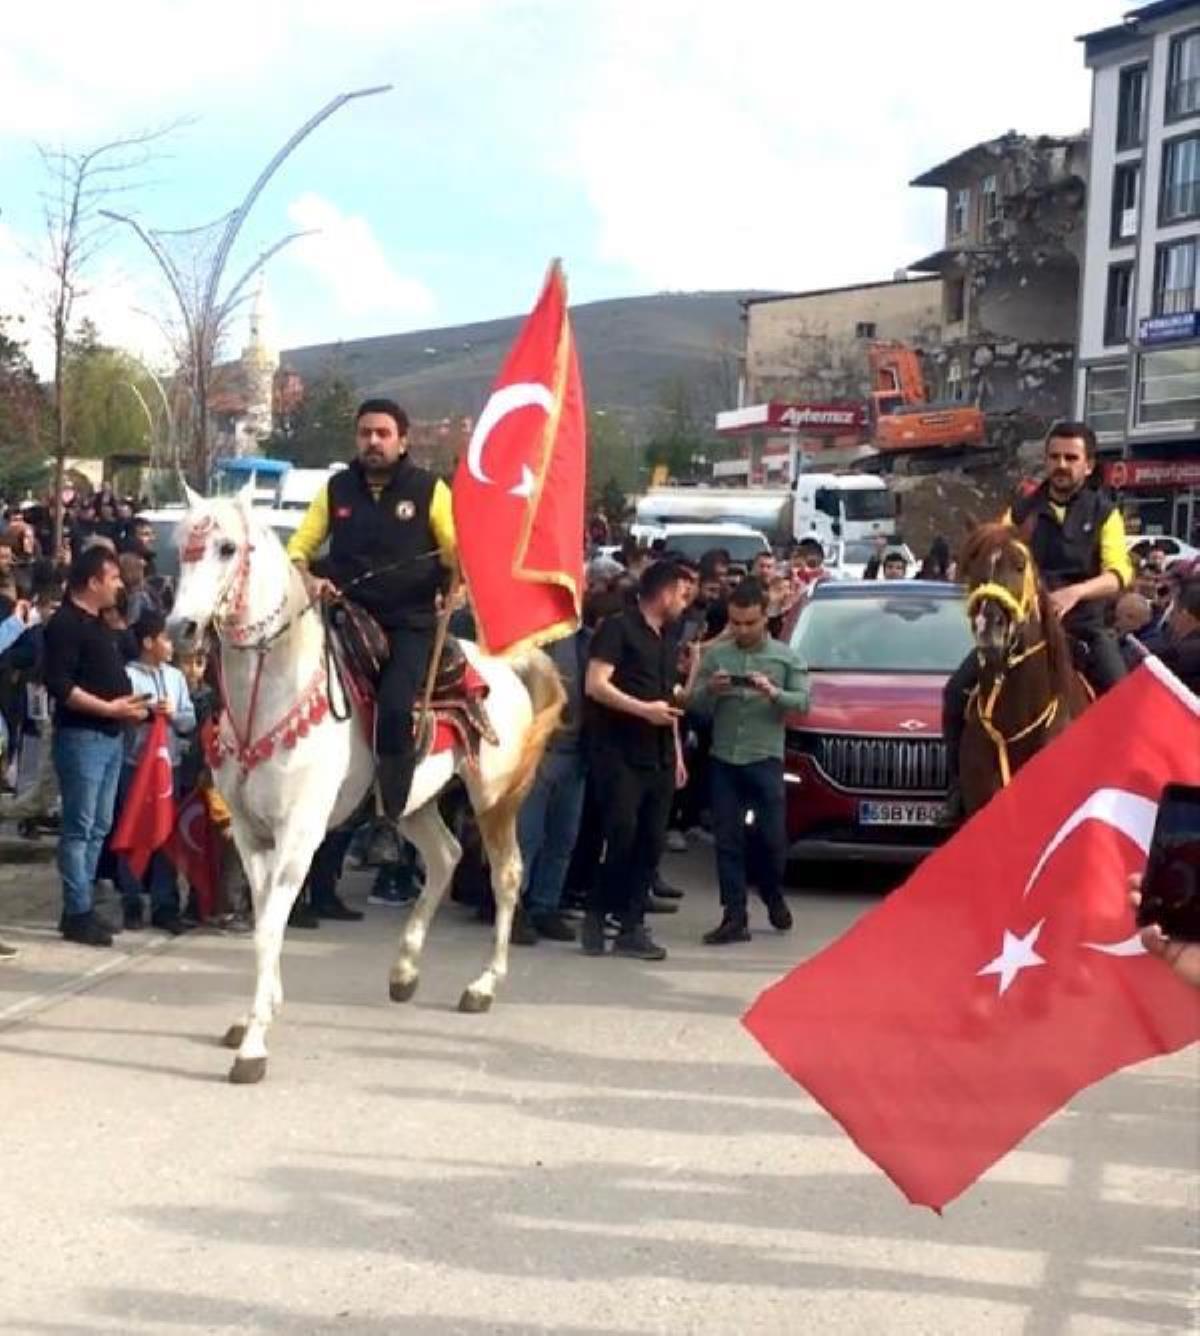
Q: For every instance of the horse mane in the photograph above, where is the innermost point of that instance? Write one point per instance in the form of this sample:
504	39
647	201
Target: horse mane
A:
982	541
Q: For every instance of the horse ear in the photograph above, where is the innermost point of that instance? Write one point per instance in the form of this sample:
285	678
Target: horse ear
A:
192	497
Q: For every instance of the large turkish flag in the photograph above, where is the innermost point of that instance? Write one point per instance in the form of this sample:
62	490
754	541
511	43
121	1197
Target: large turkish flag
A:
519	492
1006	975
146	821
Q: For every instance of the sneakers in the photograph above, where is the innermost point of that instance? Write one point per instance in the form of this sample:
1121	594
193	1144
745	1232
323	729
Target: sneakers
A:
779	914
132	916
591	936
391	895
7	952
637	944
86	930
169	920
334	907
728	931
655	905
665	891
523	931
553	927
303	915
677	842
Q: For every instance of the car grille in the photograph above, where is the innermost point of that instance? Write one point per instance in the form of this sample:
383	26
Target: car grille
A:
893	765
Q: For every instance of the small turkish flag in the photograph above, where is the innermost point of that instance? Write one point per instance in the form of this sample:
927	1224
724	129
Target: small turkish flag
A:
1006	974
148	817
195	849
519	492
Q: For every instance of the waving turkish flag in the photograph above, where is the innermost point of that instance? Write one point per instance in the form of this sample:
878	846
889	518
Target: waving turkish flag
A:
518	494
1006	975
195	849
148	817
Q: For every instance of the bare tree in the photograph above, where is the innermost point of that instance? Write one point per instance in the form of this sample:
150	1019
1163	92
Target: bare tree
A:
78	184
193	262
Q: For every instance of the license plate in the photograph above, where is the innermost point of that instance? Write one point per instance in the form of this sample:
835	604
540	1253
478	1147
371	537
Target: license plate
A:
901	813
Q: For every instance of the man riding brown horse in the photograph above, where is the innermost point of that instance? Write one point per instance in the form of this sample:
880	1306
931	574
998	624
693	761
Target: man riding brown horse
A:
1077	537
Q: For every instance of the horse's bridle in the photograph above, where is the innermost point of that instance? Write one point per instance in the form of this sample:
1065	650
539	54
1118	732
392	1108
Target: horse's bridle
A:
1020	609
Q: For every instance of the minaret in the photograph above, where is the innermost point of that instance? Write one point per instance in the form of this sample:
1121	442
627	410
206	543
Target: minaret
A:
259	364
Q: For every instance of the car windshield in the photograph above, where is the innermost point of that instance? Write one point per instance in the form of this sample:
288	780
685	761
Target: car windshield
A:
901	633
869	505
858	554
742	548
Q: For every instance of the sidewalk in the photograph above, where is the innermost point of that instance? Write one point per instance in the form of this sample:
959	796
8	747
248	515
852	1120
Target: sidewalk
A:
47	968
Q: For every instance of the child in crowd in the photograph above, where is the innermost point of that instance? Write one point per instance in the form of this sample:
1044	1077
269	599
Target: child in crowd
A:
153	675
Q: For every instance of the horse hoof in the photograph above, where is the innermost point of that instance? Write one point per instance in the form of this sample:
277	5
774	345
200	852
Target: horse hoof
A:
247	1071
474	1004
232	1038
402	992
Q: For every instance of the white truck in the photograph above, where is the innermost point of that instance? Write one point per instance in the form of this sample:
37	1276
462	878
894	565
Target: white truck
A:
826	506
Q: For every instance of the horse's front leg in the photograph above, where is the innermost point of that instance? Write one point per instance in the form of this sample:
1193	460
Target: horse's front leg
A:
504	857
440	853
287	868
256	860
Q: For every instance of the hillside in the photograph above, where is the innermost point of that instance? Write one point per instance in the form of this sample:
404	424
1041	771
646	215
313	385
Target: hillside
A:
629	347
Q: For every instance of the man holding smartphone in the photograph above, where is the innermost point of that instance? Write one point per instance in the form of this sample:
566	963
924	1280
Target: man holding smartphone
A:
748	683
86	679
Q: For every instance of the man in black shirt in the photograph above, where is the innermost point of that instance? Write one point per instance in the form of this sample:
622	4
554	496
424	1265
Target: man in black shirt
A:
85	677
631	678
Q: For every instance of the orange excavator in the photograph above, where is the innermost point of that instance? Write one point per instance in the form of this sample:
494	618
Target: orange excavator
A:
904	422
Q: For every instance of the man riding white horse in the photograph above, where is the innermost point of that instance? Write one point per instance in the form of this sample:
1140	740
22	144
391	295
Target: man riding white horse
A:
390	530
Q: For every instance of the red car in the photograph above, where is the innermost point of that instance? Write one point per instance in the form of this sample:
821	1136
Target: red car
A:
866	765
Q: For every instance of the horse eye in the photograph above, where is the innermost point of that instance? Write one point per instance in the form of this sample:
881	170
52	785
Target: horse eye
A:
227	549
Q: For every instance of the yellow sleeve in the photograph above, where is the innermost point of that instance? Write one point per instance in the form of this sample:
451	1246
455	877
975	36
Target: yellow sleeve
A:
1114	554
306	542
441	521
1007	518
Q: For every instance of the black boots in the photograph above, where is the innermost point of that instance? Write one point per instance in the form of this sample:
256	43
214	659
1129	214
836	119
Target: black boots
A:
395	779
732	928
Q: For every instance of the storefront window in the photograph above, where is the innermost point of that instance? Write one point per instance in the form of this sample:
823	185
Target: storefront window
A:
1107	399
1169	386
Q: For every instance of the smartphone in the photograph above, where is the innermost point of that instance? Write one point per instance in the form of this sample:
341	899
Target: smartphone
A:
739	680
1171	886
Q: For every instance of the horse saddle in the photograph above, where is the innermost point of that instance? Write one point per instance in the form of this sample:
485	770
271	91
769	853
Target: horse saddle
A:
457	710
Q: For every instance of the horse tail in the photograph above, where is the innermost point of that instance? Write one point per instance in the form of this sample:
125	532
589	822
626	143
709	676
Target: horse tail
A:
540	678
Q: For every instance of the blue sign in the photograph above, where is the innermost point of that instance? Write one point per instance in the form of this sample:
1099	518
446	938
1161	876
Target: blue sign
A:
1169	328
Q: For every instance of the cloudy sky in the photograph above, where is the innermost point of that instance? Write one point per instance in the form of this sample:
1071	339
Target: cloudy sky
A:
653	144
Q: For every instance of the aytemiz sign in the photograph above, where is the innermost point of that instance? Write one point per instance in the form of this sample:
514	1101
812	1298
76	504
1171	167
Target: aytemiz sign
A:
824	419
1169	328
1153	473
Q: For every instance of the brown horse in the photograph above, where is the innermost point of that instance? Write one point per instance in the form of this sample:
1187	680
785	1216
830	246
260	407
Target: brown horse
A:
1028	689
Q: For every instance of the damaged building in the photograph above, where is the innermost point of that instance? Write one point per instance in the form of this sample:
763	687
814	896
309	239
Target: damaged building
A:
1010	267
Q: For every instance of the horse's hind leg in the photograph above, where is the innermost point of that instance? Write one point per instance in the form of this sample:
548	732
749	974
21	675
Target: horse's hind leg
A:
440	853
499	832
287	867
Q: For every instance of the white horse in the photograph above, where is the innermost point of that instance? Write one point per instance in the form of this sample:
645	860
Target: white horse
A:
289	771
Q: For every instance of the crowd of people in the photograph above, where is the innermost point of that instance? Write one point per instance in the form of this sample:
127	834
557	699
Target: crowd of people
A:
678	683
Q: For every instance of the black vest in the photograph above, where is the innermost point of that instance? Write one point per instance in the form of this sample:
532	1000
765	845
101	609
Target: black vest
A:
1066	553
383	548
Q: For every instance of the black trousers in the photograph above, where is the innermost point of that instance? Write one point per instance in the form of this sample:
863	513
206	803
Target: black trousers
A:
736	791
402	684
325	871
1103	667
636	803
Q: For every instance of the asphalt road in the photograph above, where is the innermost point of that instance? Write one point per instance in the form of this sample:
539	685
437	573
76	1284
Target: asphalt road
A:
606	1152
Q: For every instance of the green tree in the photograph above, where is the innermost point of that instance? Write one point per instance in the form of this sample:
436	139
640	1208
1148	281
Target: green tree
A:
103	393
682	441
319	429
612	464
24	421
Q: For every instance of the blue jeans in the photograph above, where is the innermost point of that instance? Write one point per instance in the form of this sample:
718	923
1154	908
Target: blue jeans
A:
737	790
88	764
160	880
547	827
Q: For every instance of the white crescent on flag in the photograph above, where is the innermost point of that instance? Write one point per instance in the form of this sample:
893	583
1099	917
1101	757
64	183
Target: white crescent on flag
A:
187	822
507	399
1129	813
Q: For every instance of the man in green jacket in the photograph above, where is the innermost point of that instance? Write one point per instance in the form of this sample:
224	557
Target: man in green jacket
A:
749	683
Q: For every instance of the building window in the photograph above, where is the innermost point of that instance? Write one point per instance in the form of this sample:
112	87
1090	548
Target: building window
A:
1117	303
1169	386
1183	76
954	382
956	300
1175	278
1181	180
1131	107
1106	399
1125	202
960	205
989	201
865	329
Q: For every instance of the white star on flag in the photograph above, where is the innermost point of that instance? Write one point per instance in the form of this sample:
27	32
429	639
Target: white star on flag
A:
1016	954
